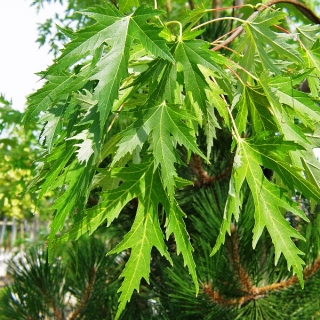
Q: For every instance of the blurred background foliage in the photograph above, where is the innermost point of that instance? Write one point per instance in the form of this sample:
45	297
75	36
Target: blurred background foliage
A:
18	150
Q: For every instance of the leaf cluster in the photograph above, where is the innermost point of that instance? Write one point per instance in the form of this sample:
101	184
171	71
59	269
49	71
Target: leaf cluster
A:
134	106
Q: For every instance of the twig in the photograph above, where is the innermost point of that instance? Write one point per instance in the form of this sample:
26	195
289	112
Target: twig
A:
300	6
191	4
233	246
307	273
203	177
255	293
85	297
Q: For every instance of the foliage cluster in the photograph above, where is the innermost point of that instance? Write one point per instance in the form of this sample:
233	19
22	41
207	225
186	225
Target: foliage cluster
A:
141	112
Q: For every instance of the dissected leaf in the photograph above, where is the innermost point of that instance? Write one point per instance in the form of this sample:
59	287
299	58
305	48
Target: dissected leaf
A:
74	198
143	183
192	54
268	200
258	33
162	123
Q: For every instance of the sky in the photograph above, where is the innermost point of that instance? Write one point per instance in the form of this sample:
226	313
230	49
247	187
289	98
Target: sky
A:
20	55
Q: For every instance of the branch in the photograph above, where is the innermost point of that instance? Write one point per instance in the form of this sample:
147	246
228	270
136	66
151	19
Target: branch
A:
85	297
191	4
307	273
256	293
203	177
300	6
233	246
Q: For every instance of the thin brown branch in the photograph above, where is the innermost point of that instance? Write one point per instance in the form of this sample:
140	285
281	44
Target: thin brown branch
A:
191	4
308	272
203	177
300	6
86	295
233	246
169	6
58	315
216	5
256	293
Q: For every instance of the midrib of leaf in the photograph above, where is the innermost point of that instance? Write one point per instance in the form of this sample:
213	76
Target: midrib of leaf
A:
111	69
312	63
255	114
166	157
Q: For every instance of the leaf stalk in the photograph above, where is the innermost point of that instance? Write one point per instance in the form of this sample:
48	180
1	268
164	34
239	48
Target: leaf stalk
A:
218	19
180	27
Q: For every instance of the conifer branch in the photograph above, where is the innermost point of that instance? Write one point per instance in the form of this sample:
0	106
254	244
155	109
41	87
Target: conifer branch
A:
253	292
233	246
58	314
308	272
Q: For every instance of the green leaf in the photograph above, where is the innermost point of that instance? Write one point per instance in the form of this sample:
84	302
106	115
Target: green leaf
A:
74	198
145	233
191	54
127	5
113	202
254	103
108	41
142	182
148	34
312	60
163	123
210	128
285	124
176	225
56	89
214	94
258	34
273	154
169	123
53	125
304	108
61	156
234	200
85	148
308	34
268	199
